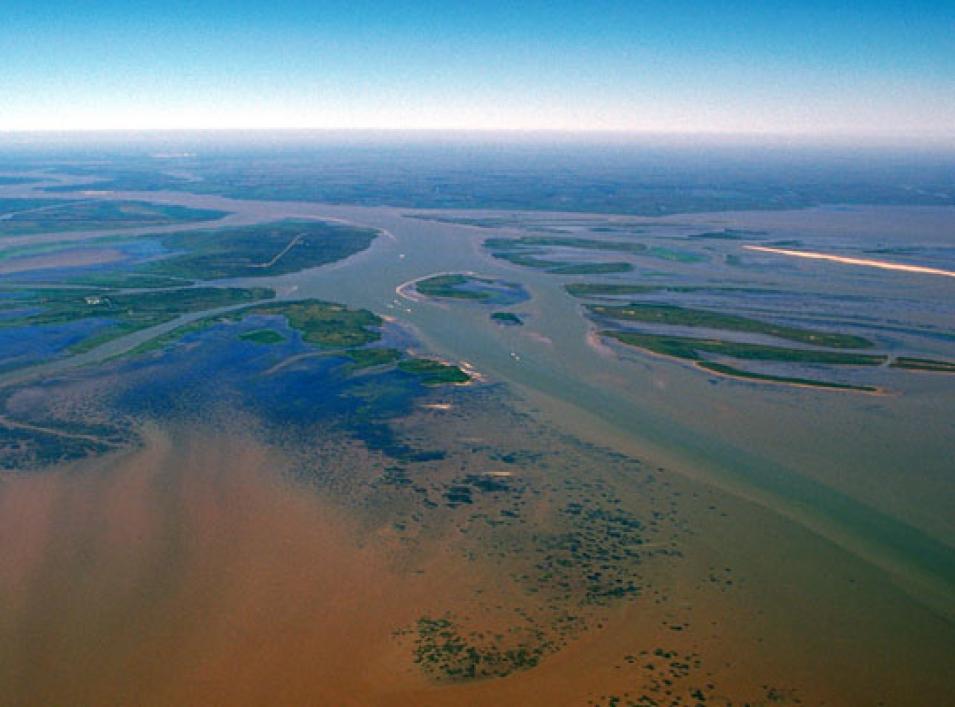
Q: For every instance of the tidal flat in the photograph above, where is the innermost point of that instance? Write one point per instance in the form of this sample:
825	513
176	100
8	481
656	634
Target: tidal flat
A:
290	469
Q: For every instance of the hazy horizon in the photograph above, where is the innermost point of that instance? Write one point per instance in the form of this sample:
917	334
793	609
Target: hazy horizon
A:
938	145
813	69
487	353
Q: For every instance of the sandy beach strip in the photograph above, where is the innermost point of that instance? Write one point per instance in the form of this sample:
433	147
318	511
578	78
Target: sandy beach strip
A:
865	262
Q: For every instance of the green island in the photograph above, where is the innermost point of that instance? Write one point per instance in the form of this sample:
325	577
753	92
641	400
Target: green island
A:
367	358
433	372
255	251
674	315
690	349
29	216
923	364
507	318
591	268
450	286
327	325
262	336
727	234
125	313
324	324
734	372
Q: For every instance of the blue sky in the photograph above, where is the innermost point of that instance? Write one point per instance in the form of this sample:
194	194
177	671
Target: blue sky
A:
840	68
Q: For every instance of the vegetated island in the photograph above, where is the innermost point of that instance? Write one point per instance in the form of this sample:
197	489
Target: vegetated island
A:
21	217
584	290
330	326
506	319
532	252
690	349
255	251
673	315
453	286
263	336
923	364
462	286
124	313
608	289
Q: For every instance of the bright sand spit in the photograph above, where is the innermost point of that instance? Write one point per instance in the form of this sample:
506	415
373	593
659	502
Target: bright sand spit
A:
865	262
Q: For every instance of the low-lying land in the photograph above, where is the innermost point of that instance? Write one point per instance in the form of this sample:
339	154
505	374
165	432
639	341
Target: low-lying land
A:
727	234
324	324
507	319
181	258
608	289
734	372
472	288
691	349
19	217
333	327
452	286
433	372
923	364
255	251
682	316
532	252
584	290
527	242
123	313
370	357
263	336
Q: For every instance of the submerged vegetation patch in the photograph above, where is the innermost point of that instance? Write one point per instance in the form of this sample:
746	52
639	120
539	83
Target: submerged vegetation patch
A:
445	652
29	446
291	365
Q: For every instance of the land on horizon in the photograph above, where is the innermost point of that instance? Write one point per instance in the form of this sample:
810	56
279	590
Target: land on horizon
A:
440	353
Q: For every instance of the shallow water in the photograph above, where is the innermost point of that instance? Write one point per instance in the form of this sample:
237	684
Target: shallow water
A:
200	571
